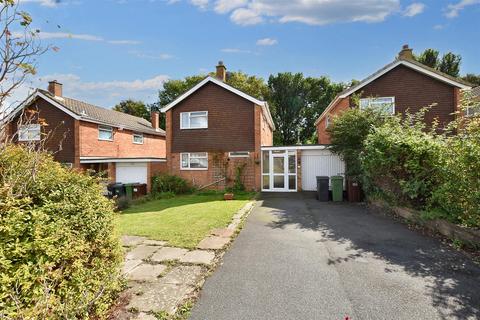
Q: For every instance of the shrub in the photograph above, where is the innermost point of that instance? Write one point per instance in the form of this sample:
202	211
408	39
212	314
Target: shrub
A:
59	257
169	183
238	181
401	161
348	133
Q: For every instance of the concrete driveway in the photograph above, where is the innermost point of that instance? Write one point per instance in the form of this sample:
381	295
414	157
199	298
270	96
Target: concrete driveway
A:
298	258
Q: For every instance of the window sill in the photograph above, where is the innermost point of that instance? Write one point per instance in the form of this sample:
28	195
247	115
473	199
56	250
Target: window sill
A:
193	128
193	169
109	140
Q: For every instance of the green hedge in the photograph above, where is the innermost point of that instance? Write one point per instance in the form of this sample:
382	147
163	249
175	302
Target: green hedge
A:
402	161
164	183
59	256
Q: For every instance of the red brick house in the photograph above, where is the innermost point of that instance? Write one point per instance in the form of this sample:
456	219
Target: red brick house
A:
84	136
401	86
213	130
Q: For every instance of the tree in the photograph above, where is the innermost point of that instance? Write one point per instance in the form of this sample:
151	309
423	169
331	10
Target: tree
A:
134	108
251	85
450	64
429	57
19	49
288	97
472	78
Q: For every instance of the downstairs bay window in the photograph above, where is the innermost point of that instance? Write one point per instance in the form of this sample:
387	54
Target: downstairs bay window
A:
194	161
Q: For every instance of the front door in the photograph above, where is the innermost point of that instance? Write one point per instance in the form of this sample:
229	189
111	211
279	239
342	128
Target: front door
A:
279	170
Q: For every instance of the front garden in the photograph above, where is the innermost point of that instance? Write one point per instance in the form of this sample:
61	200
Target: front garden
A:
404	162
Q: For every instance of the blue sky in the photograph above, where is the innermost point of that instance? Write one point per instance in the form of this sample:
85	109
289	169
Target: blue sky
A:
111	50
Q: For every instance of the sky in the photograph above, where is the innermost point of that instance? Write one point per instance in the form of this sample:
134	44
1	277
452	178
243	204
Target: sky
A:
104	51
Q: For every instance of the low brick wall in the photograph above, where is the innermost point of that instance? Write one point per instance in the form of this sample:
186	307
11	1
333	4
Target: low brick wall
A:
470	237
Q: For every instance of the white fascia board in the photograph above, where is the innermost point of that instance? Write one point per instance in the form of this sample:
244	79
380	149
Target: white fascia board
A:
327	109
305	147
87	160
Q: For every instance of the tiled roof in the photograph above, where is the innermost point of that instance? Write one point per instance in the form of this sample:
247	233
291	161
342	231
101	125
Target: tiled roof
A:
476	92
90	112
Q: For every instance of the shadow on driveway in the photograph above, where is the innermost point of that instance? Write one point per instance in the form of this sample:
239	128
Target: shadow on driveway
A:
454	280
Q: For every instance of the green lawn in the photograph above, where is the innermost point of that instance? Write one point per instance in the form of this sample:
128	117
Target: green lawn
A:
183	221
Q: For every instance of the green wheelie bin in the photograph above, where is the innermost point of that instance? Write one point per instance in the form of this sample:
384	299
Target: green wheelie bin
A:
337	188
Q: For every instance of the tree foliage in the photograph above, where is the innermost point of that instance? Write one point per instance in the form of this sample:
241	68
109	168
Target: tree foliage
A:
134	108
449	63
429	57
472	78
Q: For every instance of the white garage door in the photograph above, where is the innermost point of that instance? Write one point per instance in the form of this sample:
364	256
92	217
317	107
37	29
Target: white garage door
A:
130	172
319	163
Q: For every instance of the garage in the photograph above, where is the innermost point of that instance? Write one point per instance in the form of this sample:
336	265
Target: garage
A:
319	162
131	172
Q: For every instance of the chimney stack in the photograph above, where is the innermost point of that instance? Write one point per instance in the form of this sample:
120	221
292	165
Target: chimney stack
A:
55	88
221	71
155	119
406	53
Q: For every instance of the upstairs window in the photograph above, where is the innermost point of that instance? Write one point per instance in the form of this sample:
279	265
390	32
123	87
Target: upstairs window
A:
383	104
138	138
105	133
239	154
327	121
194	120
29	132
194	161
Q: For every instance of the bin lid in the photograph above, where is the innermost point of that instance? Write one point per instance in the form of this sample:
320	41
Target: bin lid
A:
336	177
322	177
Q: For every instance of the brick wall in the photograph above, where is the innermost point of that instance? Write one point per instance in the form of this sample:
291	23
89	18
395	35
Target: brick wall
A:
122	145
337	109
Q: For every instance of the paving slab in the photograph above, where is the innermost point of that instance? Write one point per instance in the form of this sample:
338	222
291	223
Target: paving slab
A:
168	253
158	296
213	243
224	232
198	257
183	275
141	252
150	242
146	272
129	265
131	241
144	316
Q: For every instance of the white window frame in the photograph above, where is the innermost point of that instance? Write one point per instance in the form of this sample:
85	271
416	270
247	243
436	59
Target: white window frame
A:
25	130
136	134
189	120
473	111
189	157
104	128
327	121
372	103
239	154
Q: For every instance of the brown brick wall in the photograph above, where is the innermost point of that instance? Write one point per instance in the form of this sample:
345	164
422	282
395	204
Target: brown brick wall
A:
340	106
122	145
230	122
59	129
412	91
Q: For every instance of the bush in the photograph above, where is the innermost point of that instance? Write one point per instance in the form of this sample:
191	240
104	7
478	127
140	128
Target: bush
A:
169	184
348	133
401	161
59	257
457	197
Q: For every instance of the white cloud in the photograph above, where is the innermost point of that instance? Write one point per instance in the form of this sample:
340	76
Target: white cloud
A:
267	42
235	50
414	9
123	42
84	37
101	93
224	6
202	4
439	27
45	3
313	12
159	56
453	10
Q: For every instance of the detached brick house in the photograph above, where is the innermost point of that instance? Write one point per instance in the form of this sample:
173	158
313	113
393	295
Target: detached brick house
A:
213	130
84	136
402	85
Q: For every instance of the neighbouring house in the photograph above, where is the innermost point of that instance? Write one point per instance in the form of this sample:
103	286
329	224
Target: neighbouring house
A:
215	134
83	136
401	86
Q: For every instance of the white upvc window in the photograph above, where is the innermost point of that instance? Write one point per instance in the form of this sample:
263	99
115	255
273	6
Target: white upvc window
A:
194	161
384	104
327	121
239	154
194	120
29	132
138	138
472	111
105	133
